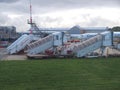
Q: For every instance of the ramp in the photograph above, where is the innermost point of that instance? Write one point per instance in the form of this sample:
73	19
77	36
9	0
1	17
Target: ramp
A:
40	45
89	46
19	44
81	49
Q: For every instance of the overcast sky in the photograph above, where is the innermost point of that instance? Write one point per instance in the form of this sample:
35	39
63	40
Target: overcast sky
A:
60	13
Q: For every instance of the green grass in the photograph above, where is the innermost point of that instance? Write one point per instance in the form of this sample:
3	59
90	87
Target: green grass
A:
61	74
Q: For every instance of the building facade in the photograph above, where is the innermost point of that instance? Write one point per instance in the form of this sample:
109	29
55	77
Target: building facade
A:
7	32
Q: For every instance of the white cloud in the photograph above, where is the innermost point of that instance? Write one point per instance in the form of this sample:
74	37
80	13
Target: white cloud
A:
94	17
60	13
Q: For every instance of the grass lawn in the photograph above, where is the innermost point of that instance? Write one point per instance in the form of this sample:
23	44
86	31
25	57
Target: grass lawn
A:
61	74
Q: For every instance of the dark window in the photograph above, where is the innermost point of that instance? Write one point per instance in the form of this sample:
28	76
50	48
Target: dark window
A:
57	37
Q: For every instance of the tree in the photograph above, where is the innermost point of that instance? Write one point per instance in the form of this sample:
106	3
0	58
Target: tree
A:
116	28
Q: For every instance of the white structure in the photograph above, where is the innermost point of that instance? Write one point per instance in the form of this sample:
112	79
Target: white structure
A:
76	29
39	46
57	40
107	38
19	44
89	45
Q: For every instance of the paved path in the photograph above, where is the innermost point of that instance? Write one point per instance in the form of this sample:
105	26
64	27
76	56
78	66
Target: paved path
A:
15	57
3	53
4	56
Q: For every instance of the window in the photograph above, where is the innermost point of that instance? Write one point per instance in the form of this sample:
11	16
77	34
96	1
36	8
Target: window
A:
57	37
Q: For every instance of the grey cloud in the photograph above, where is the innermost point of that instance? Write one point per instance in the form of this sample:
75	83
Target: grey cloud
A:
8	1
98	21
43	6
47	21
4	19
76	3
17	7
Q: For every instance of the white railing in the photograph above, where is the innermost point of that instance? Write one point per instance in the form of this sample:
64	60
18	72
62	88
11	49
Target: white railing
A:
19	44
39	42
40	45
77	47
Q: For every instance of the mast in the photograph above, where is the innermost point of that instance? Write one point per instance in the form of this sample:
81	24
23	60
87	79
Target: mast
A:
33	24
30	21
30	12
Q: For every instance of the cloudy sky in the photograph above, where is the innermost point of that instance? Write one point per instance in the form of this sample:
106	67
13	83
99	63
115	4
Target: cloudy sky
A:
60	13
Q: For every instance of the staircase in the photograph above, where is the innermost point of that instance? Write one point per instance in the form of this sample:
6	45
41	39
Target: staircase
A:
81	49
40	45
19	44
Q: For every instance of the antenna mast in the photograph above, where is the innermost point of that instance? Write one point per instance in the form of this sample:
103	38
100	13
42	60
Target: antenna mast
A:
30	12
30	21
33	25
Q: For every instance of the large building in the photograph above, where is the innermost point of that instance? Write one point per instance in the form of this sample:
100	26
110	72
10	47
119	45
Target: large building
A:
7	32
